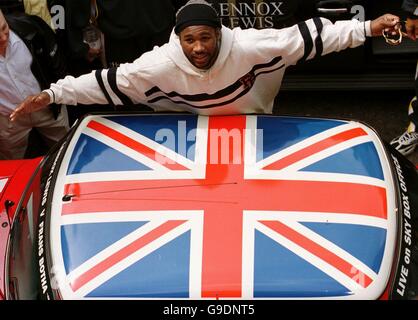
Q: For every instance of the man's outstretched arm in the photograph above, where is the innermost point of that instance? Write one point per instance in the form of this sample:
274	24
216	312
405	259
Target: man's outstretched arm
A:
69	91
90	88
319	36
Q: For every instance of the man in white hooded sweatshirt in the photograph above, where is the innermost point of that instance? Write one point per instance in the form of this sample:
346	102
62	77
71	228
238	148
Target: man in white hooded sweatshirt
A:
208	69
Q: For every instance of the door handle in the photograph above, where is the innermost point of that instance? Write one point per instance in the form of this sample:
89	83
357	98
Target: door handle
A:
336	10
334	6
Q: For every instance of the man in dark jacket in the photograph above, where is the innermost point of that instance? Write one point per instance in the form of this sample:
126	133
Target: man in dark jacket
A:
130	27
29	62
407	142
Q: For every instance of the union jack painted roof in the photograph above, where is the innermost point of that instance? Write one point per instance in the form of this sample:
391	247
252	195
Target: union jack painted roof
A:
187	206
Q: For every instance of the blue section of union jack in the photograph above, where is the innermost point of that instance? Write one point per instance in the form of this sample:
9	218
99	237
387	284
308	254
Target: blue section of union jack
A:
169	206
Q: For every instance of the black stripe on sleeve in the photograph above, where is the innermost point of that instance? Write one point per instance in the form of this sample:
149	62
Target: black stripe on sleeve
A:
111	77
99	79
319	46
306	35
52	95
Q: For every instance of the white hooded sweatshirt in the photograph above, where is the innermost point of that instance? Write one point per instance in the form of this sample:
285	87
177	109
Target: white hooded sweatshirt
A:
245	78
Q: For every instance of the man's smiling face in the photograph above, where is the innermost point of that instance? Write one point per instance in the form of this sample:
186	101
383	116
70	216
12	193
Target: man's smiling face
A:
201	45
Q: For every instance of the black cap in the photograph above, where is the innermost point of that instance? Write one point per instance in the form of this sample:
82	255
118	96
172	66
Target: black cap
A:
196	14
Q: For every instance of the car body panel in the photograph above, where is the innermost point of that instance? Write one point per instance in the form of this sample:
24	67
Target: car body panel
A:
15	175
147	207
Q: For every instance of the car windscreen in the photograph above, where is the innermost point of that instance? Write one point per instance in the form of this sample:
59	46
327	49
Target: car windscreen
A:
28	272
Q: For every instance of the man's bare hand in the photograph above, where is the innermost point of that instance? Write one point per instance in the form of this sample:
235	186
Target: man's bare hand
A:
388	23
412	28
31	104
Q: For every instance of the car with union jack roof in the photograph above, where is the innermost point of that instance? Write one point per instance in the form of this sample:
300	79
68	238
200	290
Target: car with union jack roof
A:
181	206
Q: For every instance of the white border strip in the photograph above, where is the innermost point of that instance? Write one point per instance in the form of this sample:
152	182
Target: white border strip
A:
3	183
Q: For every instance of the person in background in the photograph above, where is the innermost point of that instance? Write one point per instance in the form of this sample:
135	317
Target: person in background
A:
128	29
209	69
30	61
31	7
38	8
407	141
